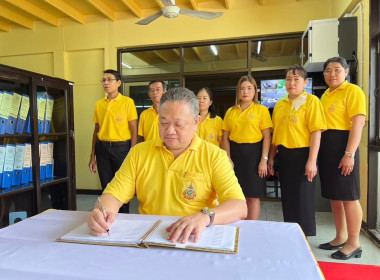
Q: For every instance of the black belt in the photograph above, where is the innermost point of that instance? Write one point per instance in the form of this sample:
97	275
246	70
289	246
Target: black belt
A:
114	143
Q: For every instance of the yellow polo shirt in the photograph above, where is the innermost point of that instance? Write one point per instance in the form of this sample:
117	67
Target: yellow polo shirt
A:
113	117
210	129
148	124
293	121
342	104
246	126
164	186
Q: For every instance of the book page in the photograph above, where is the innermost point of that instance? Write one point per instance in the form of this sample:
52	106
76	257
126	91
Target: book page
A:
214	237
121	231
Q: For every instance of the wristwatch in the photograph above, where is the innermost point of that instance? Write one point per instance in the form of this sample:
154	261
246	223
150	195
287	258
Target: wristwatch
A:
352	155
209	212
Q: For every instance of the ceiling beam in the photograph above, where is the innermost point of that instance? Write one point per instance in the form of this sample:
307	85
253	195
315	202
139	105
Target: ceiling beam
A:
5	26
133	7
162	56
67	9
194	4
228	4
159	3
103	8
36	11
16	17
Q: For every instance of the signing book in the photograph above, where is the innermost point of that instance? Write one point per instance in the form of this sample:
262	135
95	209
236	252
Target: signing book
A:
142	233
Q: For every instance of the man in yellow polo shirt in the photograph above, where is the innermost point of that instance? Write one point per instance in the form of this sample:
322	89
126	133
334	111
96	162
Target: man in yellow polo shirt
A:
148	123
178	174
115	130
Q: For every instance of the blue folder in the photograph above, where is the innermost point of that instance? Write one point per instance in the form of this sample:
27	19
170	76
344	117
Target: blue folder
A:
13	113
31	172
17	166
49	160
43	156
48	114
5	108
26	168
28	128
2	158
22	115
8	165
41	107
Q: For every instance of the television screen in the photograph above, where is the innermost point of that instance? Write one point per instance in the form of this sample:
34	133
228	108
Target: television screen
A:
274	90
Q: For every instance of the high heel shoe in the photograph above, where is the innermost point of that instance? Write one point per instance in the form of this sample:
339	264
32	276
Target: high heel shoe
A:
338	255
328	246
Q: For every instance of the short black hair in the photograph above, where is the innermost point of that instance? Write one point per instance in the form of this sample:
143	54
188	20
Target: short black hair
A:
299	70
113	72
211	109
338	59
157	81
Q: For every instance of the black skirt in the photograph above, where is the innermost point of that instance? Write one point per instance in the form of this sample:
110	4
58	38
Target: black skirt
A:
334	185
297	193
246	158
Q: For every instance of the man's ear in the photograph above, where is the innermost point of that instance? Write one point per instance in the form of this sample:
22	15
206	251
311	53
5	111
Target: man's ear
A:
197	121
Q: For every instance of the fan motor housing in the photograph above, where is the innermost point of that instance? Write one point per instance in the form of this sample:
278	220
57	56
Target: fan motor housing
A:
170	11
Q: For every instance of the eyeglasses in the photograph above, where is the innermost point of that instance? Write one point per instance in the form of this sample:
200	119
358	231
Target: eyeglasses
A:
333	71
106	80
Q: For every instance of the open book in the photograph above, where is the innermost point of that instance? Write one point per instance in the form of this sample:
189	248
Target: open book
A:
139	233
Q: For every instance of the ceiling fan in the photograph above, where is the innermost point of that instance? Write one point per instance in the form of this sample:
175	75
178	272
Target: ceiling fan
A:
170	10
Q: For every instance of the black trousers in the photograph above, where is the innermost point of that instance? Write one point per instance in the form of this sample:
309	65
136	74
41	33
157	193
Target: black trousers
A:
109	157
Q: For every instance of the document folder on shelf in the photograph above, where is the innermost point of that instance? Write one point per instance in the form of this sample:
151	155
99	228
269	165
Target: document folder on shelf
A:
2	158
43	156
8	165
22	115
13	113
49	160
26	168
41	107
18	164
28	129
5	108
48	114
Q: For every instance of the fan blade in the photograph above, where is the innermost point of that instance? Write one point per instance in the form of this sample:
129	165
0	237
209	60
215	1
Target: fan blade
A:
200	14
149	19
168	2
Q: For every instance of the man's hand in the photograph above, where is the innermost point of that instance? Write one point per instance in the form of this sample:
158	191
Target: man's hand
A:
193	224
96	222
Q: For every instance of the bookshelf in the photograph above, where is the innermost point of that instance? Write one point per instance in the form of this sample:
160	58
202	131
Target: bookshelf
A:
41	193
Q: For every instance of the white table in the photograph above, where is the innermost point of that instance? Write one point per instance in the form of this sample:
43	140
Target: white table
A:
267	250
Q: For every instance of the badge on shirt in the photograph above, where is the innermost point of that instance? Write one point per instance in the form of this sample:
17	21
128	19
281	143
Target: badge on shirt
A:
332	108
190	192
211	136
118	118
251	116
293	119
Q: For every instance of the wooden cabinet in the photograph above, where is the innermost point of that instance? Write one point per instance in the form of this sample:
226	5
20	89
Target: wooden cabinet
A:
40	193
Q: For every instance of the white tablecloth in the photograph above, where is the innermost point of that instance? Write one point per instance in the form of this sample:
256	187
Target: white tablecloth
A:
267	250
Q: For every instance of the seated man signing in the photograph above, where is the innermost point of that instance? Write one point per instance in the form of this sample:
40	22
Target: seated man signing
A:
176	175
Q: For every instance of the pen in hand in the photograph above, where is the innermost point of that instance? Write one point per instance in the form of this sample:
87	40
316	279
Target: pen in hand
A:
104	213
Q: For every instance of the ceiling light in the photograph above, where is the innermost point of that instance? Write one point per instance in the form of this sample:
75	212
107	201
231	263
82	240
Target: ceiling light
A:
126	65
214	50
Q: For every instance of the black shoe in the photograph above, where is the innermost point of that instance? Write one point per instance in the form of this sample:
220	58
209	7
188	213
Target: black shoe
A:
340	256
328	246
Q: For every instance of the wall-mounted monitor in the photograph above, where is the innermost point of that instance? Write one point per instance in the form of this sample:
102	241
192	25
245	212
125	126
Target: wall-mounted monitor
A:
274	90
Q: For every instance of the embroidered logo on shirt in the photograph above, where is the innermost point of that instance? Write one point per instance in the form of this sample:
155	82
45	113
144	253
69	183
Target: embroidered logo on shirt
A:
251	116
332	108
118	118
211	136
190	192
293	119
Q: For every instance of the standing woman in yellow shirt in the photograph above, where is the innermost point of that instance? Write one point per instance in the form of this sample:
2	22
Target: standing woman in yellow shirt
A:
210	127
246	139
345	109
298	121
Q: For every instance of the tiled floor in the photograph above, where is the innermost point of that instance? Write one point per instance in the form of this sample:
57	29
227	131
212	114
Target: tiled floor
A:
271	211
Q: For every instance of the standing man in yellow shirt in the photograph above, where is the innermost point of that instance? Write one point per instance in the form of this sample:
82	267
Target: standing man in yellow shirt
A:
148	123
115	130
178	174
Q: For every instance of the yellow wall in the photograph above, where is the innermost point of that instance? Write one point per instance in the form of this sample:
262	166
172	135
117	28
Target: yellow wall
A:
80	53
